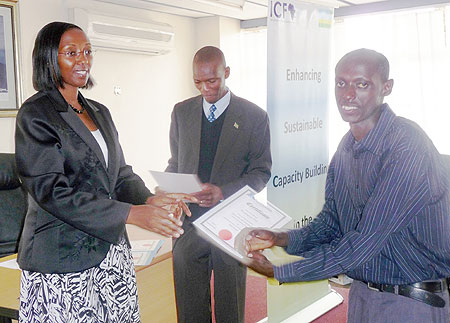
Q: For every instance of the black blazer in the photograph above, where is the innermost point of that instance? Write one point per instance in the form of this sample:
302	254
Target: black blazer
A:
77	207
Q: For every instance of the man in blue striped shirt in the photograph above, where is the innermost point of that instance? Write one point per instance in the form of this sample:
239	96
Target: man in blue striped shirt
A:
386	218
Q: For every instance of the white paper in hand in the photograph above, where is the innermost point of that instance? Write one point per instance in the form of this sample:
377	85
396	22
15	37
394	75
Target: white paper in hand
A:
176	182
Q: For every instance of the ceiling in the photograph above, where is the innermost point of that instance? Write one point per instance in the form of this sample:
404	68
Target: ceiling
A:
253	9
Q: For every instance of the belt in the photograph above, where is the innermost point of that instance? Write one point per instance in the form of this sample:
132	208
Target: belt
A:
422	292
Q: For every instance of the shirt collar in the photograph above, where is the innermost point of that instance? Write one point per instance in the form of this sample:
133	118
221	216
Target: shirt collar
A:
373	140
221	105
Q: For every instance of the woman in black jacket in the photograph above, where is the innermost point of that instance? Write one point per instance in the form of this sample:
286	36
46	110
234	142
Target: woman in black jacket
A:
74	250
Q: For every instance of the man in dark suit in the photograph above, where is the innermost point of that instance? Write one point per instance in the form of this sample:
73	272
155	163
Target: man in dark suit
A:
226	141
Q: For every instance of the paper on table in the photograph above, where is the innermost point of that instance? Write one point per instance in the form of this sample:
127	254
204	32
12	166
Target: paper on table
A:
227	224
144	251
176	182
11	264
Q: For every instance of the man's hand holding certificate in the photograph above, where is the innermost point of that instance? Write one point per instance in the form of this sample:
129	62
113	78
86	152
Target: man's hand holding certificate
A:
227	224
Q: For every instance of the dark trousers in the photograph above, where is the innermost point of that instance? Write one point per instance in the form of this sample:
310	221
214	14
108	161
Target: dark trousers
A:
193	260
369	306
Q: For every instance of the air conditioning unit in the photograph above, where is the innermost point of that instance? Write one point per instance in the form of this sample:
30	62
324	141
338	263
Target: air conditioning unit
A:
124	35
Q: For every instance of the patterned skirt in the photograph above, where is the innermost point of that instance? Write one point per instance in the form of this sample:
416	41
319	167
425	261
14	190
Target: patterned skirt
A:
106	293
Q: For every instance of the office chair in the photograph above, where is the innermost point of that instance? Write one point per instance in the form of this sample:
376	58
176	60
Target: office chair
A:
13	205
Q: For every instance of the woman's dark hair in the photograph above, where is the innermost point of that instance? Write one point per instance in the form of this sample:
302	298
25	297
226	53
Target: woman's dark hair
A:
46	72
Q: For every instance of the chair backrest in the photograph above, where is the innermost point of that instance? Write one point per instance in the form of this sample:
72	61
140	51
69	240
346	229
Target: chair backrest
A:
13	205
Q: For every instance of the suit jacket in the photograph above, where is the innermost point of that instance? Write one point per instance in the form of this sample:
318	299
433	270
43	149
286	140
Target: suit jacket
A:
77	206
243	153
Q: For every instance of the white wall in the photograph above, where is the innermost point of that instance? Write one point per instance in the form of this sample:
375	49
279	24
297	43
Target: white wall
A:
7	134
207	32
150	85
230	45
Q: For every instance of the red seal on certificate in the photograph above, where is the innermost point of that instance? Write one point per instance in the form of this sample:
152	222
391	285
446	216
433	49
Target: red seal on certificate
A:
225	234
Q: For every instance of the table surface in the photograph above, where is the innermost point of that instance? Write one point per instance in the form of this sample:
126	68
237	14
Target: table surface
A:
9	290
155	283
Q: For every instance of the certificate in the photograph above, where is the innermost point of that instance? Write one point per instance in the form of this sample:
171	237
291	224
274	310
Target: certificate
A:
227	224
176	182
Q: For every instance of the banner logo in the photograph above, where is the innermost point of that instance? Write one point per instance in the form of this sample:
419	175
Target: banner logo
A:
282	10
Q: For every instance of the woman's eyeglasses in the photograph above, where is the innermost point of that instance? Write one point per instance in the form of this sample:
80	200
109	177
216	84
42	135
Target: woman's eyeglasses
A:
88	53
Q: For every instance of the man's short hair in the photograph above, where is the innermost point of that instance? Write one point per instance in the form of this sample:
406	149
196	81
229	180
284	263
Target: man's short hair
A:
369	55
209	54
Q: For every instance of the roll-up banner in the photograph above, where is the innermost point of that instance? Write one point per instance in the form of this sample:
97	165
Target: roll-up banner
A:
298	40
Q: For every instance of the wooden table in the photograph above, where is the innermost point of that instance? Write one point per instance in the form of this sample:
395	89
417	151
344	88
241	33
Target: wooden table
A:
157	293
9	291
156	289
155	285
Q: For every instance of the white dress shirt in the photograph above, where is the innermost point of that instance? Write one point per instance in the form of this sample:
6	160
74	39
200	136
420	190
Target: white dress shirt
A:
221	105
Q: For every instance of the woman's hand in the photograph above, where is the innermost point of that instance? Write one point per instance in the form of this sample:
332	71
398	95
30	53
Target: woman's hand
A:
155	219
172	202
260	239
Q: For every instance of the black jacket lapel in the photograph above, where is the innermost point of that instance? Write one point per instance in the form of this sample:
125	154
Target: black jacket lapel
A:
71	118
228	136
107	131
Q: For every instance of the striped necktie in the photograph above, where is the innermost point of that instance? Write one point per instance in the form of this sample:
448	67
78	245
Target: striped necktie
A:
211	116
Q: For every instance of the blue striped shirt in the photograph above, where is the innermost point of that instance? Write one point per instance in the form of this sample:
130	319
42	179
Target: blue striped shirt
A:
386	217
